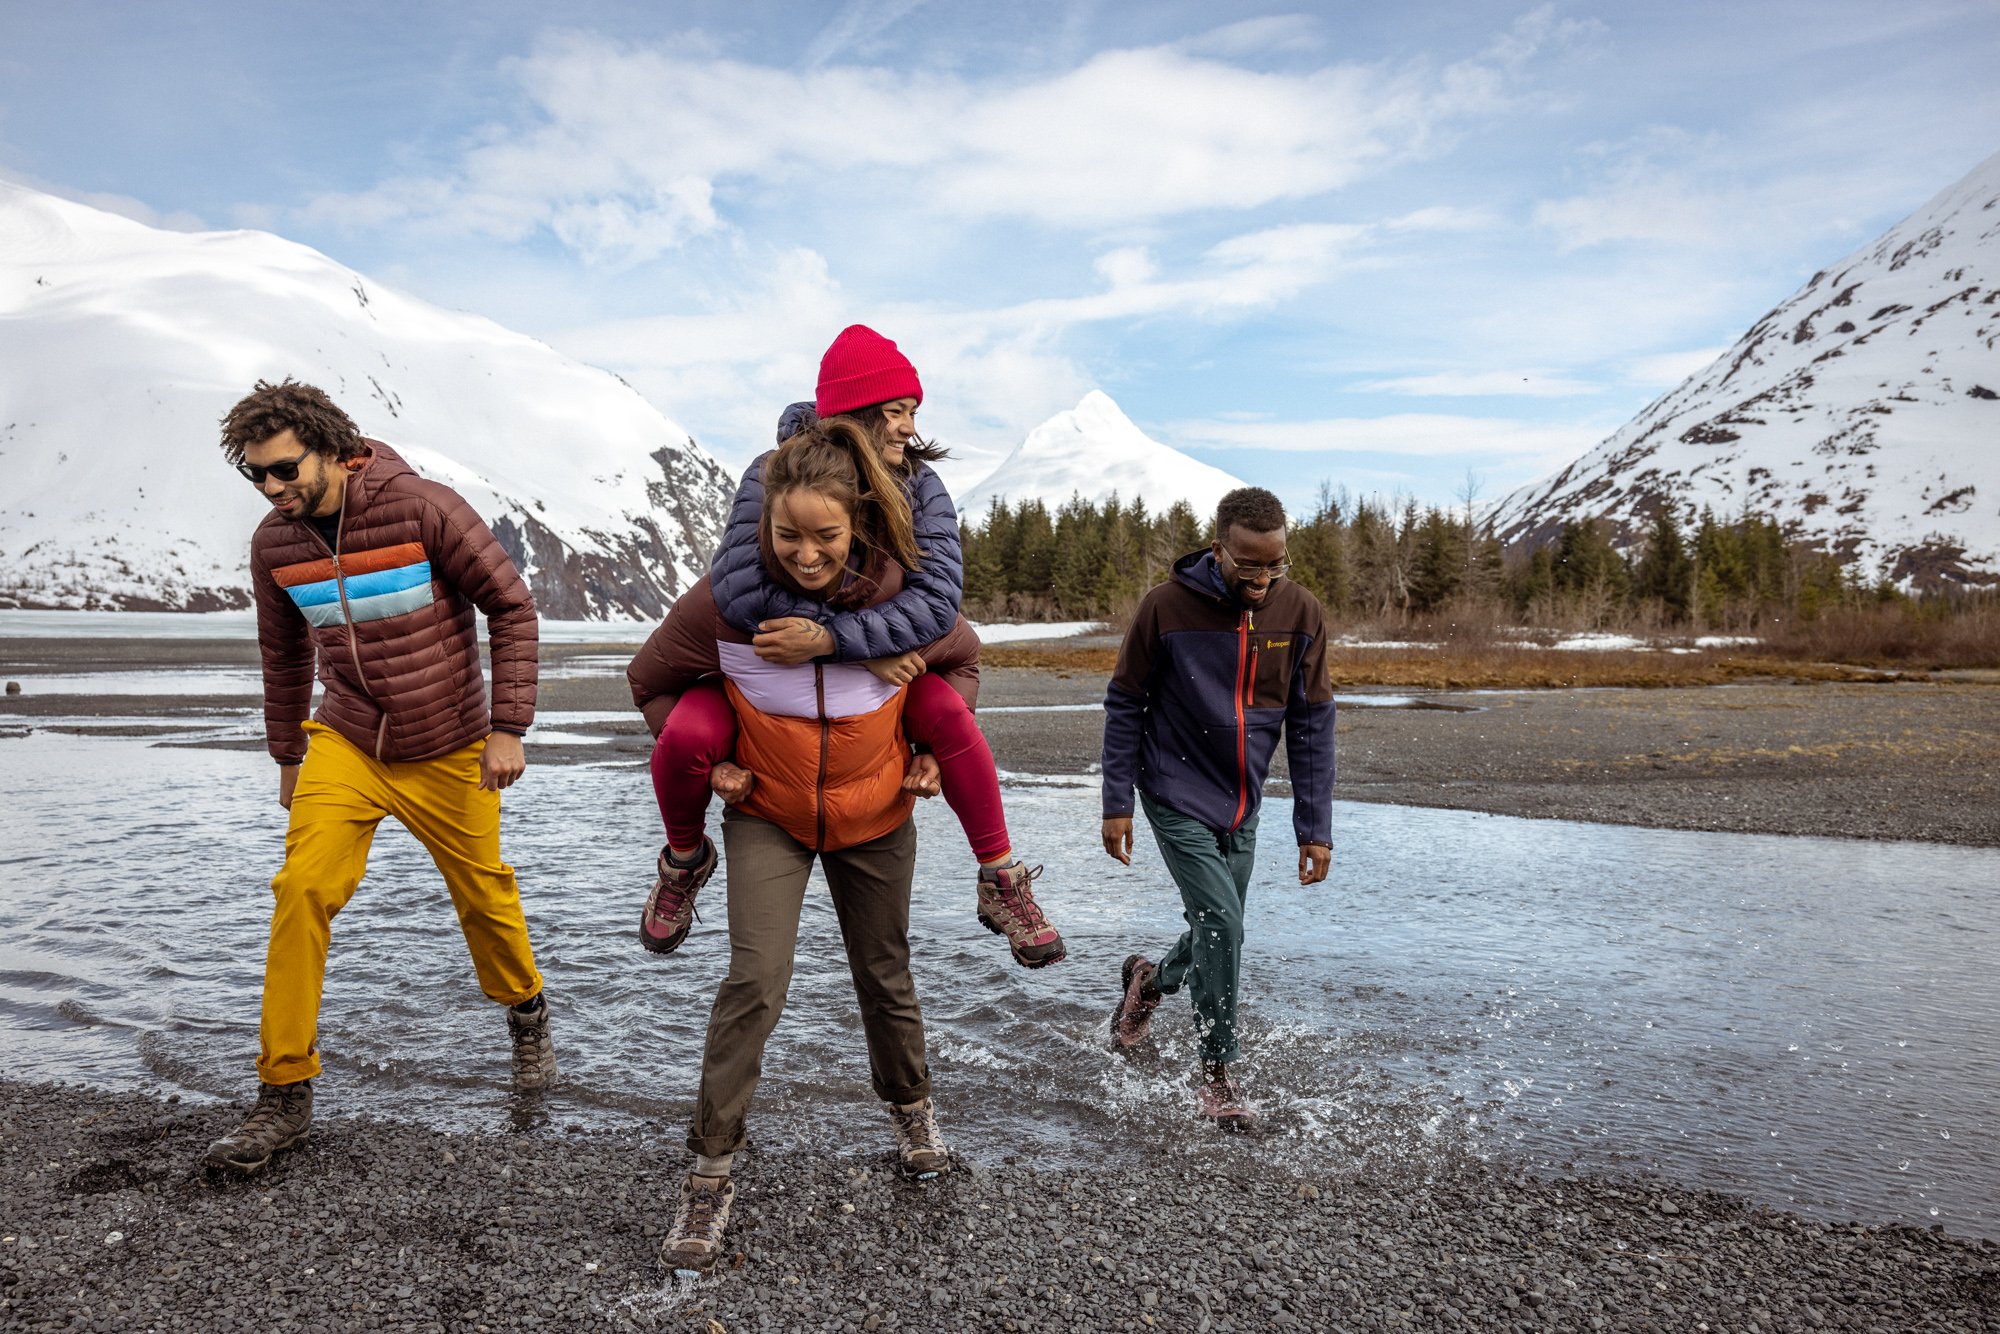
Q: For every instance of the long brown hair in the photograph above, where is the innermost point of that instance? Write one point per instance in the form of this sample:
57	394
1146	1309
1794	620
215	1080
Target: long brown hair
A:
836	460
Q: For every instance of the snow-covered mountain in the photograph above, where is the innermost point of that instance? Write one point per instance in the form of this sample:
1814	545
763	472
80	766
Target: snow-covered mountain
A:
1093	450
122	347
1862	414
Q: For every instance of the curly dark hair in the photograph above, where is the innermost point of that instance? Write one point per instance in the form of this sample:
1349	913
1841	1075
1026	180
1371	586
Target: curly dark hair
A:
303	409
1250	508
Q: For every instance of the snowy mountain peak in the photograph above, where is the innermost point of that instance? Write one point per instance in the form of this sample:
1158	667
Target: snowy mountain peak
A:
124	345
1094	450
1861	414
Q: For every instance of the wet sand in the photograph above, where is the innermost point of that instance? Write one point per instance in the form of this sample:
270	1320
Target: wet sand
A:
109	1224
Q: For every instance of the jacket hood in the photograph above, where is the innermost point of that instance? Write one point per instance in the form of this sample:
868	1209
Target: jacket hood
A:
1200	571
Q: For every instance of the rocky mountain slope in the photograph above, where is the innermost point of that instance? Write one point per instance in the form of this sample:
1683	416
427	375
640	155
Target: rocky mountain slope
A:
123	345
1863	413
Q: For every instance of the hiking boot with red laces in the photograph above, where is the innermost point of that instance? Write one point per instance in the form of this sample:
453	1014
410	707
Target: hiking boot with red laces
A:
1140	998
1217	1099
1007	908
670	907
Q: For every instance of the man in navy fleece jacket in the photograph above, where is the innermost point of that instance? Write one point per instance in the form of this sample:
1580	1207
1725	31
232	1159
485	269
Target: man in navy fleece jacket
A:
1219	658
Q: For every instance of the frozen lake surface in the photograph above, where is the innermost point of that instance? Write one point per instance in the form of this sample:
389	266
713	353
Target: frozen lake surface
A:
1810	1023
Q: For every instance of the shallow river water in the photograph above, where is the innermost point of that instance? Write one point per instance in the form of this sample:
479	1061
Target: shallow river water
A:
1810	1023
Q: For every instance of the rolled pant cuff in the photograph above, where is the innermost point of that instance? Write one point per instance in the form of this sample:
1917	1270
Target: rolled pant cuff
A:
288	1072
903	1097
714	1146
515	998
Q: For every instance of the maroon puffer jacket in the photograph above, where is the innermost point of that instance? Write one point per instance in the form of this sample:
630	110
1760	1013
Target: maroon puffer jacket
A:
391	614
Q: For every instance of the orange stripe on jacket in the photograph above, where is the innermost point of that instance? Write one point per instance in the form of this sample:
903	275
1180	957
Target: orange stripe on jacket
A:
351	562
862	795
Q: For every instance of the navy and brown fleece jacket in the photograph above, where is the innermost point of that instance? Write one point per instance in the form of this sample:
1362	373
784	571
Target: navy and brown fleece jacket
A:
1203	686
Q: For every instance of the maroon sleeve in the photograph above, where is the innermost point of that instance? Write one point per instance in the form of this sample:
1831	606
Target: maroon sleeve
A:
284	642
680	652
467	556
956	655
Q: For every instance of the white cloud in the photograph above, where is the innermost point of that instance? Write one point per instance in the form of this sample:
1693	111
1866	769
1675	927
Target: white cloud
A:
1666	369
1126	266
1426	435
624	152
1479	384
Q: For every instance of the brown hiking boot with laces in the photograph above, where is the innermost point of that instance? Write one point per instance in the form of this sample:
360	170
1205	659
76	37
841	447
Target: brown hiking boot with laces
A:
1136	1003
280	1120
534	1054
700	1217
920	1151
1218	1100
1007	908
669	910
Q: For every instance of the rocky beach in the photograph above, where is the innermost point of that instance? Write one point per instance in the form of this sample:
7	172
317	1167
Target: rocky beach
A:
109	1224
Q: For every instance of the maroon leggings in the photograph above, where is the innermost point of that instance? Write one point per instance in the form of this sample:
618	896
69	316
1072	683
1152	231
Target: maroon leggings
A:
701	733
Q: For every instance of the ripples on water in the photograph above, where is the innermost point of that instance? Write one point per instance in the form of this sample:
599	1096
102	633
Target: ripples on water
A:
1808	1022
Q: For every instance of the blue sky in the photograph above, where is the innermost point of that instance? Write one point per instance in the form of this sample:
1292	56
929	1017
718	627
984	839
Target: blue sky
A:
1388	247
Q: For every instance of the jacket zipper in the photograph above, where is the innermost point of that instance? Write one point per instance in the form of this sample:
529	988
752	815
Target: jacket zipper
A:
819	782
1243	657
347	624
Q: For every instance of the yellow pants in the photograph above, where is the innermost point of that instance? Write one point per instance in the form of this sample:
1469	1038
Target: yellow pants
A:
342	794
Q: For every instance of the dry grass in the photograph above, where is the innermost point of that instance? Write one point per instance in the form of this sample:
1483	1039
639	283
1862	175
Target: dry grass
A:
1503	667
1896	635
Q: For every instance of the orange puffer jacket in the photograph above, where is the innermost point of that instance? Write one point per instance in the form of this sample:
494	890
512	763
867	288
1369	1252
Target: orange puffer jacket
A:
390	613
824	739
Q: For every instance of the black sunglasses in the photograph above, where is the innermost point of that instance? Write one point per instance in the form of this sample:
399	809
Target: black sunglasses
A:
285	470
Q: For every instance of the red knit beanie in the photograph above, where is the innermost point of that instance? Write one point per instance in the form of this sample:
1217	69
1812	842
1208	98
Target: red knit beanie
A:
861	368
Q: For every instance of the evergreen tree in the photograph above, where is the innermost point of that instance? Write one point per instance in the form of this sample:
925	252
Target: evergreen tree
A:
1666	573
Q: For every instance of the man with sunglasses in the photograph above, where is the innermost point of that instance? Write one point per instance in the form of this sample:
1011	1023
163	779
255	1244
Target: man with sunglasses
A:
377	574
1219	659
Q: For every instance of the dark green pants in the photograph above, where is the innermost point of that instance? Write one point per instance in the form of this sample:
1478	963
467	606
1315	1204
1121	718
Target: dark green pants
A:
1213	872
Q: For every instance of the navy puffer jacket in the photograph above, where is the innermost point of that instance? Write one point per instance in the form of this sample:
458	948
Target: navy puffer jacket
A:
924	611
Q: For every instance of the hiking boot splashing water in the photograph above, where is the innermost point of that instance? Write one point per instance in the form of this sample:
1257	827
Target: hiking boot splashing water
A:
1136	1002
1218	1099
920	1151
534	1055
279	1121
1007	908
669	910
700	1218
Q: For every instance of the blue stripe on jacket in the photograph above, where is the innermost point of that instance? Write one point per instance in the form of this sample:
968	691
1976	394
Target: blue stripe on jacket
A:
363	585
364	608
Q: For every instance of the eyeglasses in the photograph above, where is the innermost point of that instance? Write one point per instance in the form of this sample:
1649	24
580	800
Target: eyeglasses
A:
285	470
1276	569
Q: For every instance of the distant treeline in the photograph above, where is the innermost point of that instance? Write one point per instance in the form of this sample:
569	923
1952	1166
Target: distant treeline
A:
1388	561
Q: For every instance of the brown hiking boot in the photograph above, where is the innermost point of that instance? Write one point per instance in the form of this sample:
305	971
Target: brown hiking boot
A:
920	1151
1217	1099
279	1121
1134	1014
699	1219
669	910
534	1054
1007	908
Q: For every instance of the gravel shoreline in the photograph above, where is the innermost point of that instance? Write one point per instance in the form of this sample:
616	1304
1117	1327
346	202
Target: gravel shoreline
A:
110	1225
